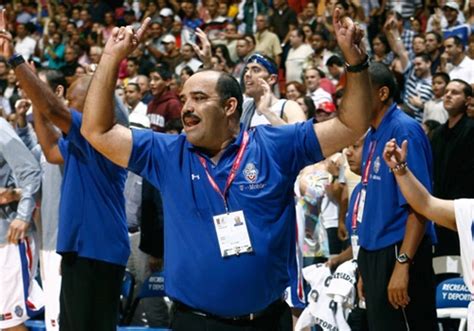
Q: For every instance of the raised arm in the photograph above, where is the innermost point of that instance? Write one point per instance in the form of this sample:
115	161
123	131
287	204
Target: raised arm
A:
112	140
395	42
48	137
40	94
355	113
438	210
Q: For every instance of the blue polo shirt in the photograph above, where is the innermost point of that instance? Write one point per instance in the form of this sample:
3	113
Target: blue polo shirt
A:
195	272
386	210
92	220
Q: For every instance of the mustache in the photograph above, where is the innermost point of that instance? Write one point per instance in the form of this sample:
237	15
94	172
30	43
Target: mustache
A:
189	114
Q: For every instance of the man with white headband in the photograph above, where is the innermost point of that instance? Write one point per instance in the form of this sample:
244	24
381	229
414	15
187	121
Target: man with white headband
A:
260	75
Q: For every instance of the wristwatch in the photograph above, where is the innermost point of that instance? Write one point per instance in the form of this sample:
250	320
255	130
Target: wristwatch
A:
16	60
404	258
358	67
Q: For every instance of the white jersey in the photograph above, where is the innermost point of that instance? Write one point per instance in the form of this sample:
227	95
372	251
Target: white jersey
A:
464	212
323	309
260	119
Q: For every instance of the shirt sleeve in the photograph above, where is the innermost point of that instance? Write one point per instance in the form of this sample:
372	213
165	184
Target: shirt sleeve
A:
293	146
149	153
25	168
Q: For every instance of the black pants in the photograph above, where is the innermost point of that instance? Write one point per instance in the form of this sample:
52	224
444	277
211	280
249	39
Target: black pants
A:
278	318
90	294
376	268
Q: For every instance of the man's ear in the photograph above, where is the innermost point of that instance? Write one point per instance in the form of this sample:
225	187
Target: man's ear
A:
272	80
59	91
230	106
384	93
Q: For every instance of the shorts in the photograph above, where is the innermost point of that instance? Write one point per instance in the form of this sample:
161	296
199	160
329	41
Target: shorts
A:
20	295
50	264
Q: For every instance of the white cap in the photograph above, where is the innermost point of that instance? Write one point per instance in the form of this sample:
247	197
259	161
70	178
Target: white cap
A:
166	12
453	5
168	39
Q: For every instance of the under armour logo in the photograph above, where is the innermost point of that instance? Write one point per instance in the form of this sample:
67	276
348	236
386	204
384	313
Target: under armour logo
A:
193	177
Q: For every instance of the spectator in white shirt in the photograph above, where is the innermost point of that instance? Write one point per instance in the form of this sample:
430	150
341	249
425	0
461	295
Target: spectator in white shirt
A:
297	56
312	78
24	44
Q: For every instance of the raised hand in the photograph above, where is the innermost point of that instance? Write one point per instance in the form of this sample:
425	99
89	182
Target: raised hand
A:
390	25
393	154
22	106
204	52
6	46
124	40
349	38
266	100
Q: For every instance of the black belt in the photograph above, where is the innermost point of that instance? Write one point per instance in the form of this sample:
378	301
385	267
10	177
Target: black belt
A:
249	317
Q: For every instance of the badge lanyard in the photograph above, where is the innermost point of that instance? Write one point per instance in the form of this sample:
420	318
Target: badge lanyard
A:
354	212
365	177
365	181
232	174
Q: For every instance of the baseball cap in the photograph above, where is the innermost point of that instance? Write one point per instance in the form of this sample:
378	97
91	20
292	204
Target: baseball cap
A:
166	12
327	107
452	4
168	39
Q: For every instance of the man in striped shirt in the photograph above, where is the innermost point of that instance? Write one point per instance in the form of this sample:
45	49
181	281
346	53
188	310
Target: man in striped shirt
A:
418	86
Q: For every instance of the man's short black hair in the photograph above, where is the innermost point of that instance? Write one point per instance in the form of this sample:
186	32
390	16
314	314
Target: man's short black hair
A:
133	59
438	37
444	76
228	87
135	86
163	70
457	41
55	78
335	60
424	56
467	89
380	75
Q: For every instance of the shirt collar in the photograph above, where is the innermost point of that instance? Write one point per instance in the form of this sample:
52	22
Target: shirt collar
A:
233	146
385	120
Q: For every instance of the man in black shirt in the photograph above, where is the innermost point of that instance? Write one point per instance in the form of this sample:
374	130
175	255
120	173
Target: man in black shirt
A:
283	19
452	145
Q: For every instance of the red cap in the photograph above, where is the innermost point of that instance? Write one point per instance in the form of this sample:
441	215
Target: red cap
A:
327	107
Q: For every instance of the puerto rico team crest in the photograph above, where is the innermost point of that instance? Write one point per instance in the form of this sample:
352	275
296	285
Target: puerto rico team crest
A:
250	172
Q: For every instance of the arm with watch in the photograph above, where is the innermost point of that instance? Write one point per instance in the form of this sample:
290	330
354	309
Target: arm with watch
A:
355	112
438	210
415	194
48	108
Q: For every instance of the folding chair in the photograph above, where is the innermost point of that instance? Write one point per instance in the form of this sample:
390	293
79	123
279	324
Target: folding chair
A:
452	299
153	286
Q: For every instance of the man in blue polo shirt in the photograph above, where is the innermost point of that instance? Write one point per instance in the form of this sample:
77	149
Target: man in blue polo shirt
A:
395	242
92	230
227	193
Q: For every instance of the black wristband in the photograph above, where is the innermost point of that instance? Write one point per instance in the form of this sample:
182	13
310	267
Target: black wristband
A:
358	67
15	61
